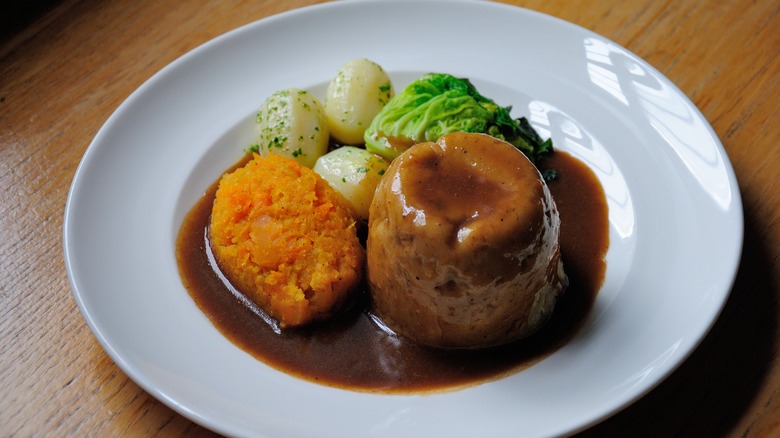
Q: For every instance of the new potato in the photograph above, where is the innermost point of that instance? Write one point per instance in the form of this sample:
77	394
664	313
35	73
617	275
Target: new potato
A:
355	95
292	123
353	172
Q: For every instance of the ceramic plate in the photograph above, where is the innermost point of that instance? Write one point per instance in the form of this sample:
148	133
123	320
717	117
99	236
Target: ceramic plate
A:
669	184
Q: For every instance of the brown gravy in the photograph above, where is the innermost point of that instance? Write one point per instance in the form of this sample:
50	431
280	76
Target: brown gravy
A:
354	352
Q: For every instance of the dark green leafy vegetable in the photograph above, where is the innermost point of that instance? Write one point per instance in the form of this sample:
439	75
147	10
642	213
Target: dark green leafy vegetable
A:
549	175
525	138
437	104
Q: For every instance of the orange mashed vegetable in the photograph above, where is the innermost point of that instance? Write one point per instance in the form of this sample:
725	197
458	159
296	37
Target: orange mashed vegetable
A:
286	239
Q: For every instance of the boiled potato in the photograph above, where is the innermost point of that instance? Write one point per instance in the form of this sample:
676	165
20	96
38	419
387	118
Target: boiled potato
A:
353	172
355	95
292	123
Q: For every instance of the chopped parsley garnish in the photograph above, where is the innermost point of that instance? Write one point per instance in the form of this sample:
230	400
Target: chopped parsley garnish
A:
277	142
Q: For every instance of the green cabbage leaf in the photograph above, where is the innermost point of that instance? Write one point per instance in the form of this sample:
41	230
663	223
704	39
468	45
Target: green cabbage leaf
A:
438	104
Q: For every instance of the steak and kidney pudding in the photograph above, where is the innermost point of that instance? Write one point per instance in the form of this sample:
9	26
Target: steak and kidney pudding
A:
462	248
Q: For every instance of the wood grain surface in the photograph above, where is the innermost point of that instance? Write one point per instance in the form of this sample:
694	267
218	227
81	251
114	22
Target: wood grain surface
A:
65	67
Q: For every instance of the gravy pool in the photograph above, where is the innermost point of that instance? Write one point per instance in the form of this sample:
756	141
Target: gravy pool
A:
352	351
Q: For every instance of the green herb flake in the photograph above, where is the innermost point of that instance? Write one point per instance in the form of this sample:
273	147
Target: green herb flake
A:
277	142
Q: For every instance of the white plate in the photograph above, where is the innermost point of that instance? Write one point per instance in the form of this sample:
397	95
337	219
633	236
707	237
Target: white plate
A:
674	209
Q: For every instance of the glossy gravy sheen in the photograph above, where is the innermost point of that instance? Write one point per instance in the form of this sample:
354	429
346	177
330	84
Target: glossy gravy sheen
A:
353	352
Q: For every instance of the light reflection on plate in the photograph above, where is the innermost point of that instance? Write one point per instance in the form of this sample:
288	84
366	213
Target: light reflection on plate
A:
668	181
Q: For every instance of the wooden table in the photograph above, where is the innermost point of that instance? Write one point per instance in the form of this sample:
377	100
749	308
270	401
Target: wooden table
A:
66	66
